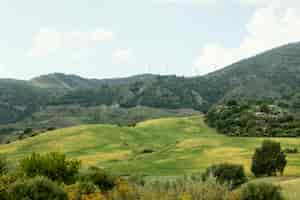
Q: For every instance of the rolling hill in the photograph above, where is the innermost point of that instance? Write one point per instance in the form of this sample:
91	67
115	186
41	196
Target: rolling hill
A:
168	146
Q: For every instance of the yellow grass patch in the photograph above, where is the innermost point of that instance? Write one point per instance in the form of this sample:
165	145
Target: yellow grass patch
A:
163	160
83	140
8	149
233	155
104	156
289	141
195	143
291	170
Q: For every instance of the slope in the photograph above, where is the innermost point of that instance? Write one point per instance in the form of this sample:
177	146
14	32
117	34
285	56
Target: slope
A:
274	74
169	146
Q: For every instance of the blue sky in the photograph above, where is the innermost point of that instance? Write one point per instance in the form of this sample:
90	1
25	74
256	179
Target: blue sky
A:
113	38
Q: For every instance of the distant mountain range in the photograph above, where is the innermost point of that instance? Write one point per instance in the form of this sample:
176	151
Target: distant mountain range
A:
274	75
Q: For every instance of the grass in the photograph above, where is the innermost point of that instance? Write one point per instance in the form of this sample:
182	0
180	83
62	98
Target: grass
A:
181	146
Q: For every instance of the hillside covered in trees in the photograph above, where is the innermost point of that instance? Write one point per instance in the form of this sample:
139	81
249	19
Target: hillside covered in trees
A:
271	76
253	118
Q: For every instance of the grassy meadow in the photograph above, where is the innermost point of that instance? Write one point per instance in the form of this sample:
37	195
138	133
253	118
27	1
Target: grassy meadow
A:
162	147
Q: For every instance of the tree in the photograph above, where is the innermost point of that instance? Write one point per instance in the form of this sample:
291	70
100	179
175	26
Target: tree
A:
268	159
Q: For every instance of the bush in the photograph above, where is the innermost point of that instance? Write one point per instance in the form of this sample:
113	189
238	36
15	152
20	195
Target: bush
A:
55	166
231	174
38	188
268	159
291	150
3	165
27	131
185	188
81	189
100	178
5	181
261	191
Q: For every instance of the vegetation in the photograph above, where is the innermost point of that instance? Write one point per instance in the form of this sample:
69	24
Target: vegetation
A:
101	179
268	159
38	188
271	75
261	191
192	141
52	165
253	119
95	184
231	174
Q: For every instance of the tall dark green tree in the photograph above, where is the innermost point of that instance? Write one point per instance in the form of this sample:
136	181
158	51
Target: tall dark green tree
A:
268	159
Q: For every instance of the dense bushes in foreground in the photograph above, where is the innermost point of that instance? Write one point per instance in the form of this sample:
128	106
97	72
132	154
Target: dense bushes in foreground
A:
54	177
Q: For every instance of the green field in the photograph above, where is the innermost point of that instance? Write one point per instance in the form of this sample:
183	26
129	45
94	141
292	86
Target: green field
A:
180	146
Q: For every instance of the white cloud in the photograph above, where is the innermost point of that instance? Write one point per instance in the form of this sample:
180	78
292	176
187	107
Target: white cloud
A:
269	27
49	41
122	55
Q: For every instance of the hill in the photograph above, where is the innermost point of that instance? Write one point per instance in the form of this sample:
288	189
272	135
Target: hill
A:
273	75
65	82
168	146
19	99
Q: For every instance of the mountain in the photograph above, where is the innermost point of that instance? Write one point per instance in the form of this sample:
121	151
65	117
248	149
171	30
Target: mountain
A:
273	75
18	99
64	82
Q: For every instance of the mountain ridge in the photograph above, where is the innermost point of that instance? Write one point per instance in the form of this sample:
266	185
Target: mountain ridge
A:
272	75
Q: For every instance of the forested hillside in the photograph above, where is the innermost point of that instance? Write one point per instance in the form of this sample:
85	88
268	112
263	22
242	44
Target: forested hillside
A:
273	75
255	119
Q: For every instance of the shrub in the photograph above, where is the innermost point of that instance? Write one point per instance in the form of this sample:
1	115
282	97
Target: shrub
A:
38	188
55	166
81	190
268	159
291	150
3	165
186	188
261	191
231	174
5	181
100	178
28	130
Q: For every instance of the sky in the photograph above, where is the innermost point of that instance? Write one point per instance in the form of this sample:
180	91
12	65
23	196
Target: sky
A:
118	38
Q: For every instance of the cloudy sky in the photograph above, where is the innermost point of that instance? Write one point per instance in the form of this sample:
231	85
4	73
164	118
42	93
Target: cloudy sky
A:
113	38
